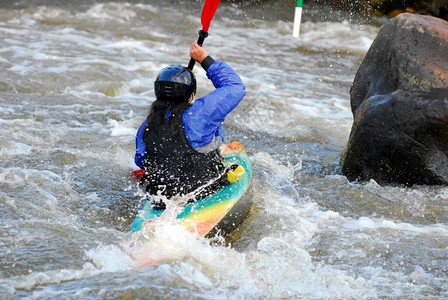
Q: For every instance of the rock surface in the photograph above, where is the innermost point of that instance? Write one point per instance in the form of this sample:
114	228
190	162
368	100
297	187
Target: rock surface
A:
399	101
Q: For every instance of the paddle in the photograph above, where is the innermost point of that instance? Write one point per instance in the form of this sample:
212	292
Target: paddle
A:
208	11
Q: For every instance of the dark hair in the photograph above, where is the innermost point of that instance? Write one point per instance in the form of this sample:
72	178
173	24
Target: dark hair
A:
157	115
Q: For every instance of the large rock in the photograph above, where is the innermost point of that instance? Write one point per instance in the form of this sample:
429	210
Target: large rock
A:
399	101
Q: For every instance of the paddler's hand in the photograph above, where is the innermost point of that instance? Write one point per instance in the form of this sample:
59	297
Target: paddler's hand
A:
197	52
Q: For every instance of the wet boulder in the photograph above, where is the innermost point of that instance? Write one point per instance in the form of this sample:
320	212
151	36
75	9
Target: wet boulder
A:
399	100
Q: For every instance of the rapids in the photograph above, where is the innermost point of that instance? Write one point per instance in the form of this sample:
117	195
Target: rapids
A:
76	81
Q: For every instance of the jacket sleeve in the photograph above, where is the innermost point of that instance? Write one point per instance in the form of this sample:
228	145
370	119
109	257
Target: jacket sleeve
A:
140	151
202	121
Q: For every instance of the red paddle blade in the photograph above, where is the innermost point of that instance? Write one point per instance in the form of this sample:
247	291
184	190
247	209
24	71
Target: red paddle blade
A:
208	11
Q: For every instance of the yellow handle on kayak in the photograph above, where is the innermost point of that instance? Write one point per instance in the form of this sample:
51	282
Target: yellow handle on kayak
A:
234	175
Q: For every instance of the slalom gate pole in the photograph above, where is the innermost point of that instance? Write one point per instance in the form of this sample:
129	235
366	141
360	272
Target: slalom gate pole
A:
297	18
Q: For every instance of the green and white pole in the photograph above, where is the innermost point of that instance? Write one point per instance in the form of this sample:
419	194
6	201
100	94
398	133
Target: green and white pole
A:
297	19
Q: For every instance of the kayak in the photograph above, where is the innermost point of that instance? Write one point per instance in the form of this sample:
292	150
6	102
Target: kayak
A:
217	214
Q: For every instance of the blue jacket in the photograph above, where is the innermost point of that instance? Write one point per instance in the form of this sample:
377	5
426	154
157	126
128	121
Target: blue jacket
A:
202	121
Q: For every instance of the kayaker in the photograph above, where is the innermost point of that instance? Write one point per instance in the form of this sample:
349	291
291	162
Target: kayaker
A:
178	143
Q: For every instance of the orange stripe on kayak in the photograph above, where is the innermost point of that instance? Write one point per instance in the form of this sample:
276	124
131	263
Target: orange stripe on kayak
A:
235	145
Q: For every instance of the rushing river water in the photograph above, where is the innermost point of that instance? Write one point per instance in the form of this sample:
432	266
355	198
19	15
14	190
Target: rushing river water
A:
76	81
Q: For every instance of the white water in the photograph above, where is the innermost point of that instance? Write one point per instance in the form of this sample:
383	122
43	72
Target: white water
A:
76	83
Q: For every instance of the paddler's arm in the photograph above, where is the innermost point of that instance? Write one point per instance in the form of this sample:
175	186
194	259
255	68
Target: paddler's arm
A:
140	149
202	121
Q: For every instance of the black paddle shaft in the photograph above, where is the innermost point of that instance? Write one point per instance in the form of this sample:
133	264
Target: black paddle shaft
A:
202	36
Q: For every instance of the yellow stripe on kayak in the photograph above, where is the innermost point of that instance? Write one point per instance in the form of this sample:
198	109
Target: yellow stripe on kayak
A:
207	218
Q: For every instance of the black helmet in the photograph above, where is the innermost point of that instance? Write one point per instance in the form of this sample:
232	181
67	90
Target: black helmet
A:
175	83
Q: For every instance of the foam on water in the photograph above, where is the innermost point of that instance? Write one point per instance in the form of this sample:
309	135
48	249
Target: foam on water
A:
279	265
326	35
117	12
367	223
124	128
